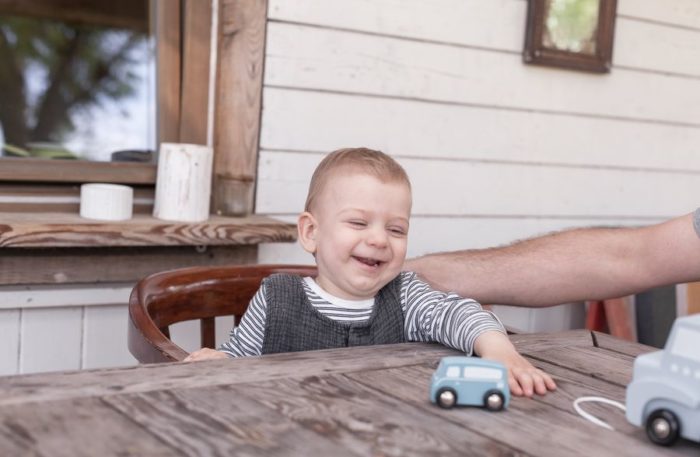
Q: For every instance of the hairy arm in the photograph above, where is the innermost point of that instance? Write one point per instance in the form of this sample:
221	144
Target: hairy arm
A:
579	264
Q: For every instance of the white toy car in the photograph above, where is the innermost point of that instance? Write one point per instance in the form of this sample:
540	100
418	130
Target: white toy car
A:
664	395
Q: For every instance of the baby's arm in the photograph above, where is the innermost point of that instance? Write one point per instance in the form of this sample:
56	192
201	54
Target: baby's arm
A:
444	318
523	377
246	339
461	323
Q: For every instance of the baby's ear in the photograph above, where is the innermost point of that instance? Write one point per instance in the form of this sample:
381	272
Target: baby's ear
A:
307	228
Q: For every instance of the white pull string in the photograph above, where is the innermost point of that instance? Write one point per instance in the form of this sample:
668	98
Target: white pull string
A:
591	417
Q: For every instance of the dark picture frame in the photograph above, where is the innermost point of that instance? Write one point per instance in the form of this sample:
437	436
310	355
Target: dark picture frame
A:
539	49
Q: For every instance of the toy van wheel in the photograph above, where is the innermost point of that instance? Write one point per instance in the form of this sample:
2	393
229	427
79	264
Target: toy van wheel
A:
493	400
663	427
446	398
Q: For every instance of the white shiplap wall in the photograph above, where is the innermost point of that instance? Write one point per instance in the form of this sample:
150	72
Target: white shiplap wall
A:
74	327
496	150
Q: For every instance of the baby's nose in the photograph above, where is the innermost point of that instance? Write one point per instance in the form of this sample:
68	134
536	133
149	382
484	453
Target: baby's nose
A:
377	237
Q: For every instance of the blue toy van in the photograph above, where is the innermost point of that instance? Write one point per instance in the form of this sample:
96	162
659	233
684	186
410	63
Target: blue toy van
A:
470	381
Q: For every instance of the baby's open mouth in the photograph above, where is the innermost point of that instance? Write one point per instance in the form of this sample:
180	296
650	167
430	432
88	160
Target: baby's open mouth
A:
368	261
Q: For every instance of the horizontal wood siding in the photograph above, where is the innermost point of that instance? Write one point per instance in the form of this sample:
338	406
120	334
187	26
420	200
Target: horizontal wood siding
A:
104	337
460	188
301	120
9	341
73	327
51	339
350	62
496	150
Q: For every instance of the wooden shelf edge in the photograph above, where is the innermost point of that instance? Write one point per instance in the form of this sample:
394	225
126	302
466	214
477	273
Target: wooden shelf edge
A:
51	230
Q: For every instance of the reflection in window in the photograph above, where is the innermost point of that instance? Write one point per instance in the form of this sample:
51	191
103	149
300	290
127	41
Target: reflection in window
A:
571	25
76	90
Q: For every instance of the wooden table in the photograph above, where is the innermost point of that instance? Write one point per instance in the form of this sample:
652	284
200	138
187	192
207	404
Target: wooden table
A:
359	401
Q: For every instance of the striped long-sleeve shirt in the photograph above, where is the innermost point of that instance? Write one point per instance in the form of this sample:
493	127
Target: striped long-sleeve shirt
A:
429	316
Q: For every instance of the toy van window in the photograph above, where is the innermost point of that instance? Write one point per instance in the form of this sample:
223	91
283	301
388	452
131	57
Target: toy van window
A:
452	372
685	344
482	373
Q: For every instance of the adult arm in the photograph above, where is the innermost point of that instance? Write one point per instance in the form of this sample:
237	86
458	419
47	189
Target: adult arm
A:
573	265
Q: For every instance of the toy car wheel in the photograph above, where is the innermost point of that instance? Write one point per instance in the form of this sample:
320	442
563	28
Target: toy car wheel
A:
663	427
446	398
493	400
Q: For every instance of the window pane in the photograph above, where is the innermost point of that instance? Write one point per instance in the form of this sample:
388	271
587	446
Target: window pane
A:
571	25
686	343
77	87
482	373
452	372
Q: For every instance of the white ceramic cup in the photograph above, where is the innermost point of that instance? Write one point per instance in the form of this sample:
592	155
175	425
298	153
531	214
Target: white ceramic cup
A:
106	202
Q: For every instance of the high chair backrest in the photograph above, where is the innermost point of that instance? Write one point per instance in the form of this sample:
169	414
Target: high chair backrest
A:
203	293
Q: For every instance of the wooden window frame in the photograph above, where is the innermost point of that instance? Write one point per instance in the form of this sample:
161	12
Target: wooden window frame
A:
536	53
183	29
18	170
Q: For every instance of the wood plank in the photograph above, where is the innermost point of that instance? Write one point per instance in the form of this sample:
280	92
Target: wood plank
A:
63	296
110	265
566	433
51	339
20	230
532	343
168	66
238	104
128	14
572	385
658	47
551	191
638	44
613	367
69	428
221	421
605	341
9	341
361	420
693	293
76	171
152	377
317	122
104	338
195	72
460	22
332	60
684	13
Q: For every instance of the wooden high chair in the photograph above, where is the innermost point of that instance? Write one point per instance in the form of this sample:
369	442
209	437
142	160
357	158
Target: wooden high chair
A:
166	298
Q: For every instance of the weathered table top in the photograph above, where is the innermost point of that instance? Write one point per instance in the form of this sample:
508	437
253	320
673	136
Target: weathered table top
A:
359	401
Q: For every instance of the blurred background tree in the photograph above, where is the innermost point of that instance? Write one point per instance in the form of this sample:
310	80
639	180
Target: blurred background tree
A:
53	69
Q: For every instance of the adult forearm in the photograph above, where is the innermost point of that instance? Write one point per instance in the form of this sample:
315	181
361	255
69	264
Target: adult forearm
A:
573	265
523	274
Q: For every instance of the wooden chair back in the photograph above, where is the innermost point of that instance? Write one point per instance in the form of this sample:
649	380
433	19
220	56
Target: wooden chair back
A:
203	293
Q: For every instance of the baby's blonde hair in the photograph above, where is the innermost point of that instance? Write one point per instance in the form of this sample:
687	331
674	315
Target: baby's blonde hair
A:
369	161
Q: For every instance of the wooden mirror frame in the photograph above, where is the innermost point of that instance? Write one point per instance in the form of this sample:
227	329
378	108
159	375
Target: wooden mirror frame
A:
536	53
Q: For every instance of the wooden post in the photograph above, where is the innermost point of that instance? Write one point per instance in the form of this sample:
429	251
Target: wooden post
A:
239	100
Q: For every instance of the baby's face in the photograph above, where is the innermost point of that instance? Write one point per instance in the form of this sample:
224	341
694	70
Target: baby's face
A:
361	235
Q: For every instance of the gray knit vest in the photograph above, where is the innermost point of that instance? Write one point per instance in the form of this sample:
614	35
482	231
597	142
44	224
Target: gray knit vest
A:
293	324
